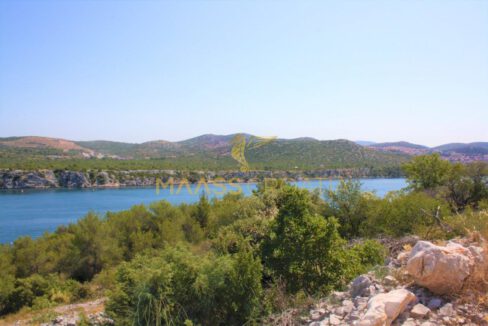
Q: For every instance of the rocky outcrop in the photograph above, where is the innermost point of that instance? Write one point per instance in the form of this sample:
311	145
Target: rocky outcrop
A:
446	269
105	179
395	298
25	180
71	179
18	179
43	179
384	308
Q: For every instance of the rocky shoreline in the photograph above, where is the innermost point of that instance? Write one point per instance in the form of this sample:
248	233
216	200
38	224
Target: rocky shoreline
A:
46	179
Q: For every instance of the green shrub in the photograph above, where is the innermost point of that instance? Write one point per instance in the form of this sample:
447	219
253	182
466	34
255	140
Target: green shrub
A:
370	253
427	171
461	185
305	250
229	290
250	230
40	292
177	286
349	205
402	213
7	277
469	221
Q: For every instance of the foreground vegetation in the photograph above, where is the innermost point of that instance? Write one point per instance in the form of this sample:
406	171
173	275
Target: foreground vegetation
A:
237	259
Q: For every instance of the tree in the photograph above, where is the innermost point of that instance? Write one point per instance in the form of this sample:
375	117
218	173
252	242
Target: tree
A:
459	188
349	205
7	277
93	249
306	250
427	172
478	173
203	211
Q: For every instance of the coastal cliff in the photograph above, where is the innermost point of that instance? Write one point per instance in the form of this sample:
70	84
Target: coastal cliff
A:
44	179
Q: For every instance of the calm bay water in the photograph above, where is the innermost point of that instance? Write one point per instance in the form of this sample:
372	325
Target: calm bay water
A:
33	212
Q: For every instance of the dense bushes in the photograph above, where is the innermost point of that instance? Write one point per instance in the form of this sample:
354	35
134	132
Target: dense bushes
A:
403	213
437	189
225	285
460	185
177	285
306	250
40	292
349	205
235	259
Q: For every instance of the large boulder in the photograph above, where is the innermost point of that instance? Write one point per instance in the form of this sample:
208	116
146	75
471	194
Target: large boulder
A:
384	308
446	269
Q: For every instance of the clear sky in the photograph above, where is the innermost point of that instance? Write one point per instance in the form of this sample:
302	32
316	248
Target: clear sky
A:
137	71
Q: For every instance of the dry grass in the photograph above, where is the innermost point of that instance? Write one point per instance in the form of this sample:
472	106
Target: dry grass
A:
468	222
31	317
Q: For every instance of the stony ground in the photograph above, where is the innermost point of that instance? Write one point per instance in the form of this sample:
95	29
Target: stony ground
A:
390	295
70	315
427	309
66	315
398	290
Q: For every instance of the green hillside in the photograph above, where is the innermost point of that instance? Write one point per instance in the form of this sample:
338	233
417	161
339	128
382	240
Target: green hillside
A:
314	154
206	152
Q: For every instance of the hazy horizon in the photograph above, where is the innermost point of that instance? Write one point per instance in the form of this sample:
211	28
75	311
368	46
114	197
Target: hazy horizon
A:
235	133
378	71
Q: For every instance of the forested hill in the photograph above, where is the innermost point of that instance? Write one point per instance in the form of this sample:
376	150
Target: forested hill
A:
454	152
206	152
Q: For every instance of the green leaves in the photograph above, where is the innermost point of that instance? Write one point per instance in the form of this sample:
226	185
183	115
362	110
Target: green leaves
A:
305	250
461	185
427	171
177	285
349	205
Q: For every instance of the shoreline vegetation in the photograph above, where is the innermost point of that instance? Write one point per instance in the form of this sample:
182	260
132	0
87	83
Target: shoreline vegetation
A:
237	260
49	179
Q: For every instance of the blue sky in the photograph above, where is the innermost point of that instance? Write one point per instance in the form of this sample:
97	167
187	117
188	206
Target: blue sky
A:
145	70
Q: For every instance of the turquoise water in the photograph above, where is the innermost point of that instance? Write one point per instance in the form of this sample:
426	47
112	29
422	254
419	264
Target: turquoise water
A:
33	212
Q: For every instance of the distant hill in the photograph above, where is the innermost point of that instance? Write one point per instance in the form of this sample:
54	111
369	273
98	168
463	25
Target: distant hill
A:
401	147
459	152
202	152
480	147
41	142
213	152
399	144
455	152
313	154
